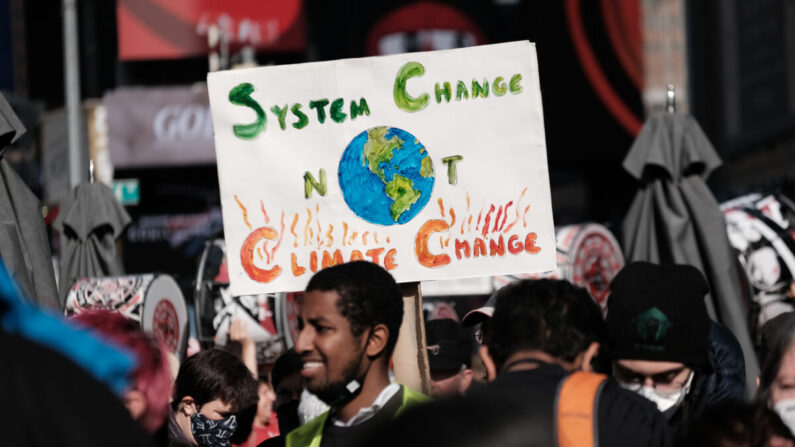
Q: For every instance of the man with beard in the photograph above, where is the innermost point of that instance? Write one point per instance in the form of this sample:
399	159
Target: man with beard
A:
349	322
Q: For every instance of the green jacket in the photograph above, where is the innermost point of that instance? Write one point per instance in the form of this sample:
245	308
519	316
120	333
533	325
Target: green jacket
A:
310	434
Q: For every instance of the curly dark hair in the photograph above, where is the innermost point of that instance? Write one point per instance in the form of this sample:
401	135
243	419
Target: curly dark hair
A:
368	296
549	315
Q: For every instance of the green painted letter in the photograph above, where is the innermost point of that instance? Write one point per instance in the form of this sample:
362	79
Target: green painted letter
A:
241	96
321	111
402	98
280	113
498	86
514	86
336	110
452	174
461	90
477	90
310	183
361	109
446	90
302	118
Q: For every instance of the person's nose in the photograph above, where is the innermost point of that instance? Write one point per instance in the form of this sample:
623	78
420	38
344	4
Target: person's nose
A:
304	342
648	382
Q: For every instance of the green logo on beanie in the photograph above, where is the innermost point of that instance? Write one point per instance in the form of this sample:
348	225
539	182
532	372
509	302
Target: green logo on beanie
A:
652	325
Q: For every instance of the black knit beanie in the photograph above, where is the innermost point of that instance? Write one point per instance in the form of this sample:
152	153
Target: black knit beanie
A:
657	312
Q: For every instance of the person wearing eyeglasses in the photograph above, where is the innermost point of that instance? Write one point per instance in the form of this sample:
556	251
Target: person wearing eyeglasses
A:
663	344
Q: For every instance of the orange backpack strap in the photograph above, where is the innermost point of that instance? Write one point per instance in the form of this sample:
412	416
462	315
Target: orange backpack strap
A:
576	403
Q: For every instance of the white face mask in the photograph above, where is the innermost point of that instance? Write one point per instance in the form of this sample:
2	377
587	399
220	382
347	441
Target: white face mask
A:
664	401
786	410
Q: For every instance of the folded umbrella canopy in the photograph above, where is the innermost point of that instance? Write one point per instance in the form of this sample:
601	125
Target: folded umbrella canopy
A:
90	220
674	217
24	247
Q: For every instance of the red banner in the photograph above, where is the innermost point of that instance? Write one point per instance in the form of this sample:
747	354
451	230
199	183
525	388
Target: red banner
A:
172	29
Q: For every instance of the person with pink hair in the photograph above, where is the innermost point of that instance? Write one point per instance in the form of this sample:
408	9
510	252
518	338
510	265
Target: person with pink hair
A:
148	397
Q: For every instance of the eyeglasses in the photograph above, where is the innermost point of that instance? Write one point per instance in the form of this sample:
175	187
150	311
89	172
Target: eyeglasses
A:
479	335
666	382
483	331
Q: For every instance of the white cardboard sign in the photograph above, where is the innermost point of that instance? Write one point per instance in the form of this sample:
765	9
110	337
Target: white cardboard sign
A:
431	164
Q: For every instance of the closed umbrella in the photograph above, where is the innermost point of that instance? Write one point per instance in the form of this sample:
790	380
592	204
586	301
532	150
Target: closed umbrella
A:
90	220
674	217
24	247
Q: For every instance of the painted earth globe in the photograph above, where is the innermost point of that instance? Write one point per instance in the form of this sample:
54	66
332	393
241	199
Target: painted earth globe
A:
386	175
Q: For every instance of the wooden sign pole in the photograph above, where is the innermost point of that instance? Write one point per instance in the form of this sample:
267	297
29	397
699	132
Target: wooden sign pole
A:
410	357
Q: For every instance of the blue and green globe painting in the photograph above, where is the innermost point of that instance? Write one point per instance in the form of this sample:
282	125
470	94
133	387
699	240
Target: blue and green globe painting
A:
386	175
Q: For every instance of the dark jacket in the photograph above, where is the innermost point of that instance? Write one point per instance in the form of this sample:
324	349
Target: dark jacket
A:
723	378
623	418
47	400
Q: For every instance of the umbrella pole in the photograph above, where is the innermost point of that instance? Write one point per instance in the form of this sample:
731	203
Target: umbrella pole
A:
72	87
670	99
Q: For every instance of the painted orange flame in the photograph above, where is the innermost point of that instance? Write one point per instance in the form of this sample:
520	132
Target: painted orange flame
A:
292	230
330	240
307	237
245	212
281	236
319	229
264	213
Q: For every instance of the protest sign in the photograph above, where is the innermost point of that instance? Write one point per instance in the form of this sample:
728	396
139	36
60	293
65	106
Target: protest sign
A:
431	164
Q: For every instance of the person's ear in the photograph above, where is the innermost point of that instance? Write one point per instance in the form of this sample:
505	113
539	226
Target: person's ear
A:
376	343
587	356
135	401
488	363
187	406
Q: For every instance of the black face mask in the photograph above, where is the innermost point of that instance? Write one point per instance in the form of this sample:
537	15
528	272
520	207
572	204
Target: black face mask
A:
287	415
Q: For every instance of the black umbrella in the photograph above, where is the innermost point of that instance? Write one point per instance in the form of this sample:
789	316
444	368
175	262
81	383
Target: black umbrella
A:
90	220
24	247
674	217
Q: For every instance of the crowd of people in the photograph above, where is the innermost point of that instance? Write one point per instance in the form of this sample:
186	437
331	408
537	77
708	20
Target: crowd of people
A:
539	365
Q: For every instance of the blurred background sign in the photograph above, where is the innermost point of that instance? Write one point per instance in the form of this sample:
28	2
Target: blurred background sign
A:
127	191
163	126
167	29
